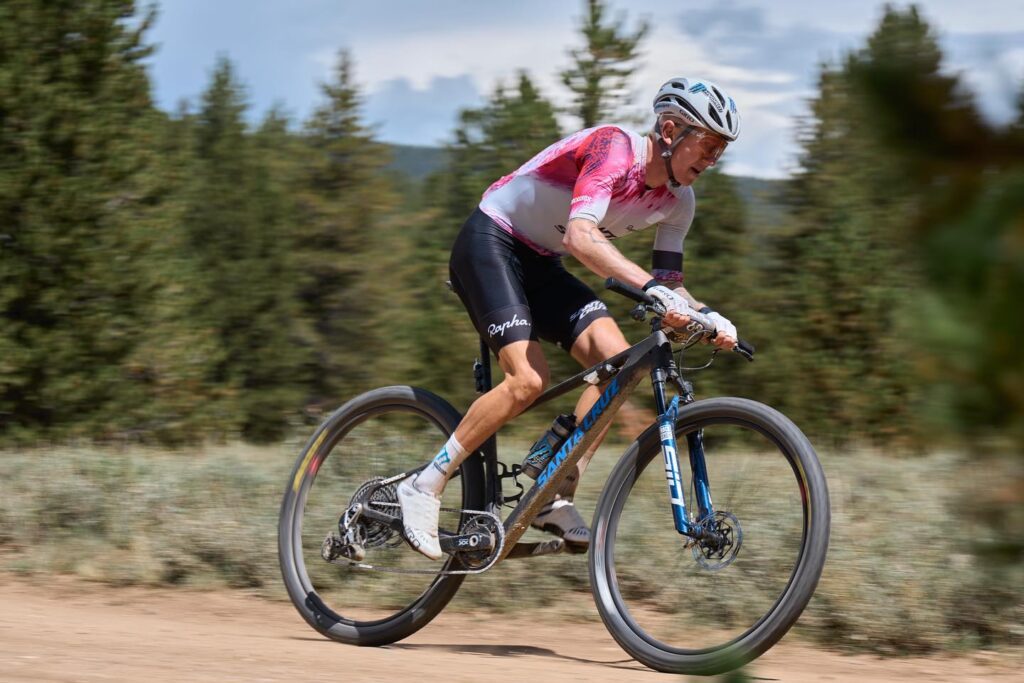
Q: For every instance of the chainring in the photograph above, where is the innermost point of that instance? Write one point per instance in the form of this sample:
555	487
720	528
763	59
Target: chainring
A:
480	524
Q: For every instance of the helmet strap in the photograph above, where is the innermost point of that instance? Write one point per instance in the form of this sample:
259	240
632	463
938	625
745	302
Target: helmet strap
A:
668	149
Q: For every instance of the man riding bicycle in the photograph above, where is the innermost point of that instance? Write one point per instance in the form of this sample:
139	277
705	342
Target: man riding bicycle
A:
574	197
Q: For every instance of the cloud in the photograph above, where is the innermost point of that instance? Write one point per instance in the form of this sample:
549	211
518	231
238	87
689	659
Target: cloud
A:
992	66
741	37
420	116
419	63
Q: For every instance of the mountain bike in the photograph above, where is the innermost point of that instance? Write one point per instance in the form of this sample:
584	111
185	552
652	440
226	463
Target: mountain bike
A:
683	584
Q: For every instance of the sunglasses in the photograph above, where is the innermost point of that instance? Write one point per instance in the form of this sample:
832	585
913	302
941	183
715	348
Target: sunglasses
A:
711	144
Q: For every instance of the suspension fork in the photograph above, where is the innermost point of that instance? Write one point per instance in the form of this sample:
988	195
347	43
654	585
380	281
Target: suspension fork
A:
667	415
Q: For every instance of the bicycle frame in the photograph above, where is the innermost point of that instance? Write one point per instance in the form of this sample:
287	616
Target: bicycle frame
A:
620	375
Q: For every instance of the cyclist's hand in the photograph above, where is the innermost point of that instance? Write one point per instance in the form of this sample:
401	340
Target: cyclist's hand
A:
677	310
727	336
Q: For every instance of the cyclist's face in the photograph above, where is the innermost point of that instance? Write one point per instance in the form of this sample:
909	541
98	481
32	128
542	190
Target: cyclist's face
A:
699	150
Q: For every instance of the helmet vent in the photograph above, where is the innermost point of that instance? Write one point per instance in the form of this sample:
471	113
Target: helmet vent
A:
714	114
728	121
718	94
677	84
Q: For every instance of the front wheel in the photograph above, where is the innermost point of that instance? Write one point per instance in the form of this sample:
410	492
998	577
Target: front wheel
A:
378	434
680	607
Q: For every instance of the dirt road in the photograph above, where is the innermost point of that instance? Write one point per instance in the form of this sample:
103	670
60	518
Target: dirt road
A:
77	631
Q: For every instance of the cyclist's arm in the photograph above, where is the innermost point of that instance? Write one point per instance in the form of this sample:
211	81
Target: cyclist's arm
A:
585	241
602	159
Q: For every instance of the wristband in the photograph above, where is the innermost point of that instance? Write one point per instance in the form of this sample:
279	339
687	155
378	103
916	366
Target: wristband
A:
650	283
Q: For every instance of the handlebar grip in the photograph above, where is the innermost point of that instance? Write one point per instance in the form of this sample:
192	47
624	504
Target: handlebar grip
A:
745	349
629	291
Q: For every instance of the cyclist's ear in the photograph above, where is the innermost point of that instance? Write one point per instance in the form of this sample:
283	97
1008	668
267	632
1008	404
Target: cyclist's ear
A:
667	129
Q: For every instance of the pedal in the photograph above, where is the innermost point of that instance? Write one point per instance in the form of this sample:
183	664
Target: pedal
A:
536	549
334	548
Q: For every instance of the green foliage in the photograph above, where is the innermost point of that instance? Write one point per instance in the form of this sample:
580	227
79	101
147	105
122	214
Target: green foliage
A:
970	235
184	277
601	71
79	181
845	272
238	229
968	232
342	198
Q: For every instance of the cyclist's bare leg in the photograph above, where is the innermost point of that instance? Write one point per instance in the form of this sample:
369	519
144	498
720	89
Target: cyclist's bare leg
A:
526	376
602	339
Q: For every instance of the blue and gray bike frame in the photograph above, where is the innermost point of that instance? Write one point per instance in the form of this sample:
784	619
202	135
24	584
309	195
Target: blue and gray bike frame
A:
619	376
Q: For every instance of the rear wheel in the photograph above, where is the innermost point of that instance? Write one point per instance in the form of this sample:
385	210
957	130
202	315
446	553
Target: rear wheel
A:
689	608
378	434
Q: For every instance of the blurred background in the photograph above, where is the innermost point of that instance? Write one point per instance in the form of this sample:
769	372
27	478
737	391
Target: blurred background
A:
219	221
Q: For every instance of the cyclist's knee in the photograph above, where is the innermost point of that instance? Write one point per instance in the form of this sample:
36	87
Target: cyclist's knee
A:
526	386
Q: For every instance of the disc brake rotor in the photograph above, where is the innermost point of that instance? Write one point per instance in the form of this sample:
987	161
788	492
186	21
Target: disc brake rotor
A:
719	548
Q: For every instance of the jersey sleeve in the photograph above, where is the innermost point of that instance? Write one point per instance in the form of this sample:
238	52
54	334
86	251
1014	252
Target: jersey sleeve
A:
667	257
603	159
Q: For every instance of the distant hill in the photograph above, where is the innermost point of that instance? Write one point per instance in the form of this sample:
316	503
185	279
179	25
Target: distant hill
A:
762	197
763	200
416	162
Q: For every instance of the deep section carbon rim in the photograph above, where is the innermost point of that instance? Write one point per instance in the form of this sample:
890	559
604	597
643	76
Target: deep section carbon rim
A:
683	607
380	441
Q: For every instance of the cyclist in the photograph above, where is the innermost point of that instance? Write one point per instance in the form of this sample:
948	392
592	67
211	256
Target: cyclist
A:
574	197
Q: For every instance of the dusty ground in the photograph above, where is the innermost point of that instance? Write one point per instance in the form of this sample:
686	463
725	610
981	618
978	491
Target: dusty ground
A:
77	631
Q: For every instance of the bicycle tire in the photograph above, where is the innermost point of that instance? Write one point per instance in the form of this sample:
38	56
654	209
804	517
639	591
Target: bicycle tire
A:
774	624
411	617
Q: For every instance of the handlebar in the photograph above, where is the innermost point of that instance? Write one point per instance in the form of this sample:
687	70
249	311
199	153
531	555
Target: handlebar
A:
744	348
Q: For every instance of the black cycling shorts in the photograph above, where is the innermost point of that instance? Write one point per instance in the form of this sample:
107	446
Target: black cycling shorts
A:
512	293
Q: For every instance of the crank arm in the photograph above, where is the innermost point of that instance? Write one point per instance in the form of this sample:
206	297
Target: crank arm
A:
522	550
454	544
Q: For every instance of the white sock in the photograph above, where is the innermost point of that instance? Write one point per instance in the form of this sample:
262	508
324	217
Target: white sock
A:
435	475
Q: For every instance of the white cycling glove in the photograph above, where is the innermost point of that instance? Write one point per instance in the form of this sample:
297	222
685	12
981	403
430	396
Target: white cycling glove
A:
722	324
669	299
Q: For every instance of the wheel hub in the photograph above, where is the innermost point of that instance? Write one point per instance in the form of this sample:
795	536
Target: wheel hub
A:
719	541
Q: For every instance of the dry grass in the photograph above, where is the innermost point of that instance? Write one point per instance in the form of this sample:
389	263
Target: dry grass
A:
902	574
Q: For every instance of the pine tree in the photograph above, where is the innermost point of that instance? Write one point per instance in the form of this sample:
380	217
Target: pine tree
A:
342	199
846	272
969	177
75	118
172	398
601	71
238	226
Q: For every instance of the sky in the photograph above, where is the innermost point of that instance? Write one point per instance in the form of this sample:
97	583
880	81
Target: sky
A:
419	63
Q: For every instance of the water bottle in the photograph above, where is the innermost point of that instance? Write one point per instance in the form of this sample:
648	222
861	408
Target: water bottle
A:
547	445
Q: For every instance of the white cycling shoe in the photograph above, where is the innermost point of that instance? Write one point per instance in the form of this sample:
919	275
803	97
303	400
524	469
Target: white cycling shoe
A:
420	511
559	517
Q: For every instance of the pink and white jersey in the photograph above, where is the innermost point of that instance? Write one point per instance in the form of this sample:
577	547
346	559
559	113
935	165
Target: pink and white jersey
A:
597	174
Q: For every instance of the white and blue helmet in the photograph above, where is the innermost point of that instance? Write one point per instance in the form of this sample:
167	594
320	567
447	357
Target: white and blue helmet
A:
700	103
